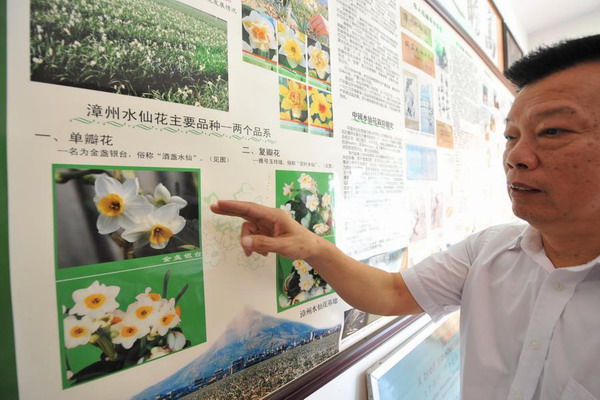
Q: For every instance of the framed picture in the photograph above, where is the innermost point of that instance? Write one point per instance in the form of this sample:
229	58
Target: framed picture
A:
426	366
512	51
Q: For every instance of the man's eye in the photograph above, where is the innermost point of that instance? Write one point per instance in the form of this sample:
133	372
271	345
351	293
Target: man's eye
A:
552	131
509	137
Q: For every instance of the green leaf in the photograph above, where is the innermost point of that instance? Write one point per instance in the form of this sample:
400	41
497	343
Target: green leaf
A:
181	292
166	284
96	369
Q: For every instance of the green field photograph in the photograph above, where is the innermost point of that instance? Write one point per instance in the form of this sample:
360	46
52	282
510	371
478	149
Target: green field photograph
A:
156	49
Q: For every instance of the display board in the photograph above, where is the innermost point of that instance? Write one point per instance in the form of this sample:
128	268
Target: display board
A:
372	123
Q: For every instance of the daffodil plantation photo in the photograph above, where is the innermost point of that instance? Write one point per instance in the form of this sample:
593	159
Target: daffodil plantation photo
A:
105	215
308	198
157	49
116	321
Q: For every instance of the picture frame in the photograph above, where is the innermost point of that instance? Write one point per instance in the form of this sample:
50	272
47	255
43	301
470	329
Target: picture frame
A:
512	50
426	366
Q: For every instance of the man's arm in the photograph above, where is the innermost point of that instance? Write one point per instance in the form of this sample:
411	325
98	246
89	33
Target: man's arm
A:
369	289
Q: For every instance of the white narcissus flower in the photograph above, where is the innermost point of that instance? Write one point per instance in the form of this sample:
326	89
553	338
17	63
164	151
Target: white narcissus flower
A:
307	281
307	182
156	228
288	189
288	209
175	340
95	301
78	331
128	331
145	310
320	229
293	49
168	318
260	31
149	294
162	197
318	60
302	266
312	202
283	31
326	200
119	204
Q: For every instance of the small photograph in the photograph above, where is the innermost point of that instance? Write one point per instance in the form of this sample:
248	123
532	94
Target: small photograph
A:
116	321
293	105
411	101
417	55
426	104
255	355
259	42
310	17
308	198
105	215
156	49
355	320
319	69
418	213
421	163
320	112
292	52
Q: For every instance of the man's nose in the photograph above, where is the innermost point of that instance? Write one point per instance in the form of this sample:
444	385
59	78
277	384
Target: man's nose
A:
521	154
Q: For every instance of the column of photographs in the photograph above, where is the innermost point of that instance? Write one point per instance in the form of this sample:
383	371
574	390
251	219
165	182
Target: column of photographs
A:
128	258
292	39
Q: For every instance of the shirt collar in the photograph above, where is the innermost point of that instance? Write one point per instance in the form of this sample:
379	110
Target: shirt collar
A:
530	242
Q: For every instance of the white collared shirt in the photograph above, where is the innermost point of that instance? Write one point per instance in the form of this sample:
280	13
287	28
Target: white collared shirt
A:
528	331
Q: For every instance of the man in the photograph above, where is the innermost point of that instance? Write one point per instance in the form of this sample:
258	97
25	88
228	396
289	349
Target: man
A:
529	294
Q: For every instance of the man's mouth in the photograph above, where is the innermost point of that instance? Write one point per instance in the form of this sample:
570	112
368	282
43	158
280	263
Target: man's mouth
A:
522	188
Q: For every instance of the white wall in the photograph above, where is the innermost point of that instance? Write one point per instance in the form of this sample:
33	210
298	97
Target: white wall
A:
511	19
588	24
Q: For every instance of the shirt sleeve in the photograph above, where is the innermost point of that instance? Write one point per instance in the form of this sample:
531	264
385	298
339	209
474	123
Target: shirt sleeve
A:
437	282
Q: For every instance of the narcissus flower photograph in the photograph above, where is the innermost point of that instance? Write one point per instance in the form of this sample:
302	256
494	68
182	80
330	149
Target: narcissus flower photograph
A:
109	214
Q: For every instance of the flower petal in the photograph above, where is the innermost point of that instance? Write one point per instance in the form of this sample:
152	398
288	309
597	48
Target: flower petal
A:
106	224
161	193
104	185
130	188
167	213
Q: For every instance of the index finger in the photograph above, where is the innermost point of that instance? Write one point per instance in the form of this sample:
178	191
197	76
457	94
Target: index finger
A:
244	209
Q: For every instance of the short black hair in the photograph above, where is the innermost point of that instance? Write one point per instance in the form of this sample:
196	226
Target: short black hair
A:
546	60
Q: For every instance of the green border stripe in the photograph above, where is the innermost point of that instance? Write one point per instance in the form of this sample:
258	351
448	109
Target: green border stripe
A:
8	369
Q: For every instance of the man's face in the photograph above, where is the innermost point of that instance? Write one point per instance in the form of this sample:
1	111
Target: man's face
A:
552	156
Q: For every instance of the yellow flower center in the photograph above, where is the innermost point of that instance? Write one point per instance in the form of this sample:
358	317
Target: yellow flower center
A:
167	319
160	234
128	331
78	331
260	33
318	59
154	296
95	300
295	98
292	50
111	205
144	312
